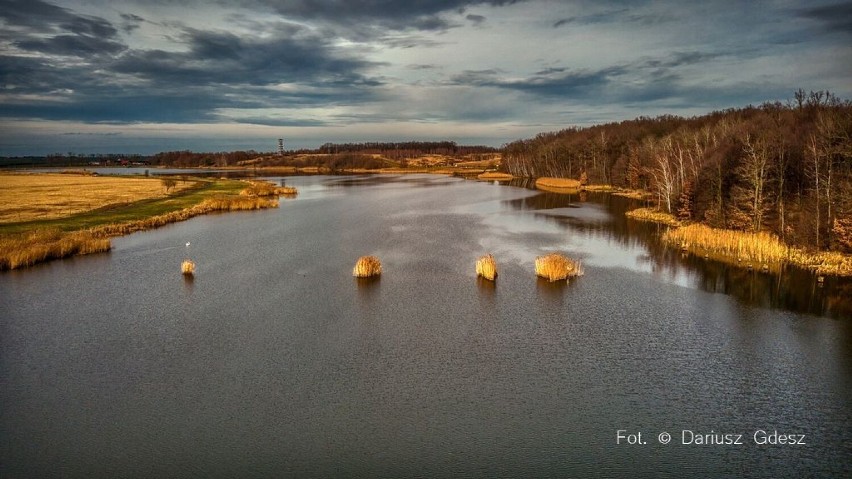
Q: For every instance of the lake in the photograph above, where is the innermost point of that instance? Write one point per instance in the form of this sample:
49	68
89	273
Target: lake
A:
275	361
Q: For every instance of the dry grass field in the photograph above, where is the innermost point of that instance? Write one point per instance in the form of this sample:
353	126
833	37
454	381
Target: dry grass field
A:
40	196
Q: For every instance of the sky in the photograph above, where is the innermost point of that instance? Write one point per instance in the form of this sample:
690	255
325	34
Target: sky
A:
143	76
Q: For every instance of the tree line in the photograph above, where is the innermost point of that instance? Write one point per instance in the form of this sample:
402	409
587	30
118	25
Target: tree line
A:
186	158
779	167
406	149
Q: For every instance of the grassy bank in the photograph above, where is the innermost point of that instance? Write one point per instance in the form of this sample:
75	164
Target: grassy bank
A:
26	243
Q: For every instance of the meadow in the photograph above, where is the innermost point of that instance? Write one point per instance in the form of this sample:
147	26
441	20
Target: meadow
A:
29	197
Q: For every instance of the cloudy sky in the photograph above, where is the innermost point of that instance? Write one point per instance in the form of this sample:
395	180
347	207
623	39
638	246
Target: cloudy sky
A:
95	76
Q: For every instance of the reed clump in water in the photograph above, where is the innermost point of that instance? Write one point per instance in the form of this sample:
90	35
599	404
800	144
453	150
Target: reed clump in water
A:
557	183
286	191
652	215
264	189
367	266
556	267
495	175
187	267
486	267
27	249
236	203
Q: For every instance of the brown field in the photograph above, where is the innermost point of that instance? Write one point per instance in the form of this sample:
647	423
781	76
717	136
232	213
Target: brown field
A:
26	197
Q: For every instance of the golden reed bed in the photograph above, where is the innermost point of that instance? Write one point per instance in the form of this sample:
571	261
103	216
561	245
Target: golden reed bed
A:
367	266
187	267
486	267
556	267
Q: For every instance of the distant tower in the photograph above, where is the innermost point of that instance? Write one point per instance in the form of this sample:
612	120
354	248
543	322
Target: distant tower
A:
281	146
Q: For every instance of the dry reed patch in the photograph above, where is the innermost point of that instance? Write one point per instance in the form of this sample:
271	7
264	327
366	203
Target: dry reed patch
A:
262	188
555	267
187	267
758	250
259	188
567	183
486	267
495	175
27	249
288	191
27	197
655	216
367	266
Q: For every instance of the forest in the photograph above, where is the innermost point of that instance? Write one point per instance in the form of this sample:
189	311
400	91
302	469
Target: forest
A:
785	168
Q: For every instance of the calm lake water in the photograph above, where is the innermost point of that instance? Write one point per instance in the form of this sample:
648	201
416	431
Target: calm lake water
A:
274	361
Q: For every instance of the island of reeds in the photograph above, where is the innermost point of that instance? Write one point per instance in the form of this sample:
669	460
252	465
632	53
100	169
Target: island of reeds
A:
556	267
187	267
367	266
486	267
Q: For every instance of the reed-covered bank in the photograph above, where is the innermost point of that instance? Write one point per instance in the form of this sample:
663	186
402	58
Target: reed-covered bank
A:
218	203
27	243
761	250
655	216
26	249
754	250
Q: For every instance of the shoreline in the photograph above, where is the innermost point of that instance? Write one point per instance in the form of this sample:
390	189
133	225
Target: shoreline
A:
29	243
753	251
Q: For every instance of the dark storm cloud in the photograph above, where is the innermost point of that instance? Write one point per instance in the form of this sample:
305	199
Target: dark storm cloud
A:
225	58
417	14
29	23
211	70
71	45
44	17
553	82
476	19
621	15
130	22
836	18
641	81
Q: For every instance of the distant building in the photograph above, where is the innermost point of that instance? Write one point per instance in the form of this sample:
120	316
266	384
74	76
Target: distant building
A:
281	146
